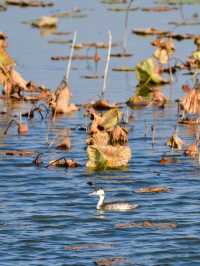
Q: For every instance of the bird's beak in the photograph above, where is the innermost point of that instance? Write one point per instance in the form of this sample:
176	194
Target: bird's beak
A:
93	193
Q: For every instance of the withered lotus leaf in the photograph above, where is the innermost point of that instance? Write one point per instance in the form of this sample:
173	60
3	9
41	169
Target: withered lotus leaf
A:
146	224
110	261
45	22
192	150
175	142
27	3
87	246
100	138
190	103
105	157
103	104
118	136
62	162
152	190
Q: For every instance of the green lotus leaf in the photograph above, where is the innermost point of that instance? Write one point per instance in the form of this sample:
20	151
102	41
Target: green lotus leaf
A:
111	118
5	59
147	72
196	55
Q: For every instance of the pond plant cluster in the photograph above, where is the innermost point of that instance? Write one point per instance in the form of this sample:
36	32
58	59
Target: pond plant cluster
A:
106	125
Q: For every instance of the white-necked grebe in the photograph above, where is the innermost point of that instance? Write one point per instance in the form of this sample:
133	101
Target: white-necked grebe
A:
111	206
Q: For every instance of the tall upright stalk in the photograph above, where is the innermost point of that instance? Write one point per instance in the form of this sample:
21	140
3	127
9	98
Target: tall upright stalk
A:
107	64
126	27
66	77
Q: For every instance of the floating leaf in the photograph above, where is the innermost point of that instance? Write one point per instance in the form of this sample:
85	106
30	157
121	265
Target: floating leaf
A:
45	22
138	101
110	261
27	3
103	104
146	224
180	2
87	246
152	190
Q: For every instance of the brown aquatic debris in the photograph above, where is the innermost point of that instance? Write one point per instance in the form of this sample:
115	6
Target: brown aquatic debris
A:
175	142
22	128
99	45
2	8
167	160
158	98
65	144
189	121
150	31
29	3
59	101
87	246
102	104
192	150
190	103
63	162
45	22
153	31
74	57
21	153
152	190
118	135
123	69
92	77
11	81
146	224
121	55
159	9
110	261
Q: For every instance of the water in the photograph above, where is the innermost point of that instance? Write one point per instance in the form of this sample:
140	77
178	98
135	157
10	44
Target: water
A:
43	210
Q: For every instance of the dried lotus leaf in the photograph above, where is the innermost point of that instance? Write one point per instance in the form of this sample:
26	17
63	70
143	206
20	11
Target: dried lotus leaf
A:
108	156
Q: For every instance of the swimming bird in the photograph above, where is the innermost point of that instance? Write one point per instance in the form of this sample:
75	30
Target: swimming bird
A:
111	206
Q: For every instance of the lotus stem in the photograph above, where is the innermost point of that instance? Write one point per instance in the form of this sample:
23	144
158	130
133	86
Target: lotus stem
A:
36	160
153	130
9	125
70	58
57	160
107	64
126	27
145	128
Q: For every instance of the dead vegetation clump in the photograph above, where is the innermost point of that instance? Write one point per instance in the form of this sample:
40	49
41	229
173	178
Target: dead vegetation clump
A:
147	224
108	141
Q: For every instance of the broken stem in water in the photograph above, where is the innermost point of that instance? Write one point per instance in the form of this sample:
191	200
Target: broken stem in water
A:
107	64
